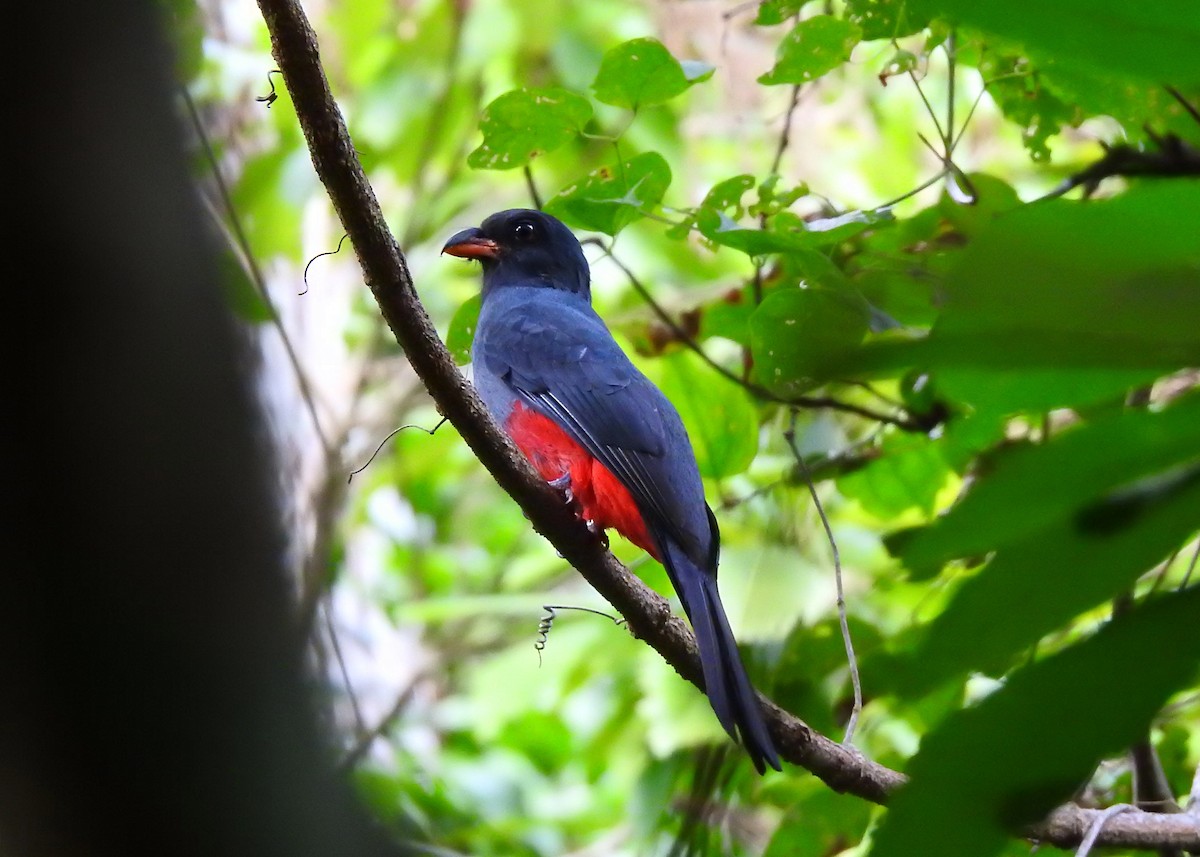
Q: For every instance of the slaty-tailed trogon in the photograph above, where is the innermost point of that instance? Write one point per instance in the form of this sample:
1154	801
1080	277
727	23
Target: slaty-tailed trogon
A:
550	372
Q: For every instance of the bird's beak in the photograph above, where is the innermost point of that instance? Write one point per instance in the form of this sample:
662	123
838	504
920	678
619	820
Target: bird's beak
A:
471	244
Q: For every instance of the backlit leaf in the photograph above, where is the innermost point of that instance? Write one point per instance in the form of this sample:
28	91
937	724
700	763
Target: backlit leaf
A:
814	47
642	72
612	197
522	124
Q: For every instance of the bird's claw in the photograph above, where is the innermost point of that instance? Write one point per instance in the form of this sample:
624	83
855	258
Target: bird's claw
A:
563	484
598	531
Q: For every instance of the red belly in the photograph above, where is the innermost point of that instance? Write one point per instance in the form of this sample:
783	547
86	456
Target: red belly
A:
601	496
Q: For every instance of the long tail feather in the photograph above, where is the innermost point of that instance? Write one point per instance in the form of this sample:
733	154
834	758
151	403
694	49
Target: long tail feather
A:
725	681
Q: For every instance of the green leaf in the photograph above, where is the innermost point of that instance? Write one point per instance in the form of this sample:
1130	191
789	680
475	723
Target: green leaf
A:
818	823
719	415
729	317
522	124
243	297
991	769
722	197
797	334
728	194
910	473
833	230
609	199
885	19
462	330
1034	485
1024	98
1109	285
642	72
771	12
721	229
1064	304
814	46
1154	42
1043	581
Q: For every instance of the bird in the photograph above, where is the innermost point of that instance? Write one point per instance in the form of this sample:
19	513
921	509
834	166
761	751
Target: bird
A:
550	373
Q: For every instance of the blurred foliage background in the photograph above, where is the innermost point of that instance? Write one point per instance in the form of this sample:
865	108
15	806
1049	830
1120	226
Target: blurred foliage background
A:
815	226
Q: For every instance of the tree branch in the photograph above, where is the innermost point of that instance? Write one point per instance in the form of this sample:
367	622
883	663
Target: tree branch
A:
294	46
649	616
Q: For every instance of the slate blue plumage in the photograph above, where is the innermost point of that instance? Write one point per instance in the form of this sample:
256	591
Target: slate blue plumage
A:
539	345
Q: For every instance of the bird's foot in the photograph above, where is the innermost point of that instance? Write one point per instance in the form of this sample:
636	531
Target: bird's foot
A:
598	531
563	484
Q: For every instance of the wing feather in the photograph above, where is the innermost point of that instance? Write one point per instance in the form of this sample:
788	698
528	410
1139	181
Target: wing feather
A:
598	397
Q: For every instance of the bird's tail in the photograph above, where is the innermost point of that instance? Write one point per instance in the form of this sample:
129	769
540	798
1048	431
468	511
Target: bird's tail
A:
725	681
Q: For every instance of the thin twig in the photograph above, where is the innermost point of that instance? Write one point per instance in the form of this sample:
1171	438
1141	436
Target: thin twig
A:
785	136
367	739
1187	105
1163	570
950	49
330	629
758	391
533	191
255	273
823	468
1097	825
390	435
789	435
928	107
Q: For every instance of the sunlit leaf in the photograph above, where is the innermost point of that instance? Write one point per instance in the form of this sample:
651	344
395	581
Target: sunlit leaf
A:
1022	94
462	330
771	12
522	124
909	474
721	229
885	19
642	72
814	47
612	197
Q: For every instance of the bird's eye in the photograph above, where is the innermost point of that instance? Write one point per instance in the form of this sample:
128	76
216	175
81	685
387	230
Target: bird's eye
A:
524	231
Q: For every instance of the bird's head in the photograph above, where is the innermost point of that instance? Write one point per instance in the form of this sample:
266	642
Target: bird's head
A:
523	247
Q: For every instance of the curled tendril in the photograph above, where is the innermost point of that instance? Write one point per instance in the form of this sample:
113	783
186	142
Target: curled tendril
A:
271	96
547	622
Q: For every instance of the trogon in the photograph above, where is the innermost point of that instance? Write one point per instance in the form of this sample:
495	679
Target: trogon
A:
552	375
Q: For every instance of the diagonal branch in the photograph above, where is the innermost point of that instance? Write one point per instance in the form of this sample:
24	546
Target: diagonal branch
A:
386	273
649	616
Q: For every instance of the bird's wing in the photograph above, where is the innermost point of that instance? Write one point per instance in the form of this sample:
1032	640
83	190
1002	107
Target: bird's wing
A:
565	364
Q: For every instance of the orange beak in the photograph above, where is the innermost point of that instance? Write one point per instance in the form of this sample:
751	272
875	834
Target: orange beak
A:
471	244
